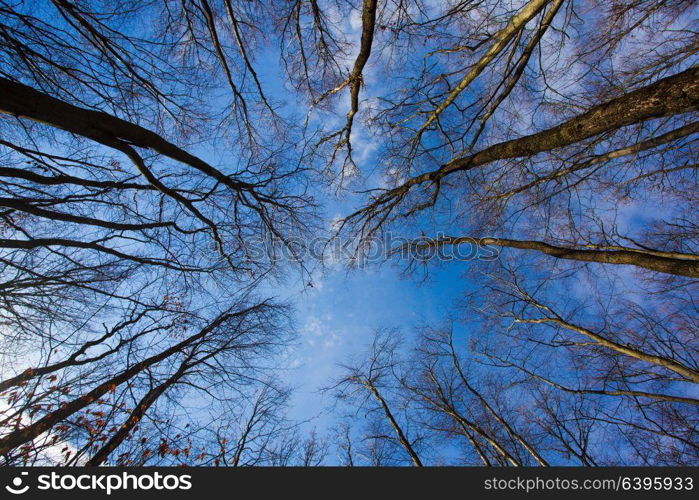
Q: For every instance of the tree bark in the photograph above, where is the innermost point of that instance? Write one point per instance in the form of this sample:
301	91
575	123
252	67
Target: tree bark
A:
628	350
21	436
20	100
134	418
649	260
399	432
670	96
501	40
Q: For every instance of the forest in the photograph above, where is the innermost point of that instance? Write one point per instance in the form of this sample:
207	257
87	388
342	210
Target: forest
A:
178	176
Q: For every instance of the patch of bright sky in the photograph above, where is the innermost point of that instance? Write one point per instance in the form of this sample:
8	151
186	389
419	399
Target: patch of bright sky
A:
336	316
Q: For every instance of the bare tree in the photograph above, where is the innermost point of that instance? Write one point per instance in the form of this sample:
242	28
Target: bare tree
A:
365	383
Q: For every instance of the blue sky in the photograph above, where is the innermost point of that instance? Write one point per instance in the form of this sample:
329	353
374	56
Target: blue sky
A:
336	308
337	315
